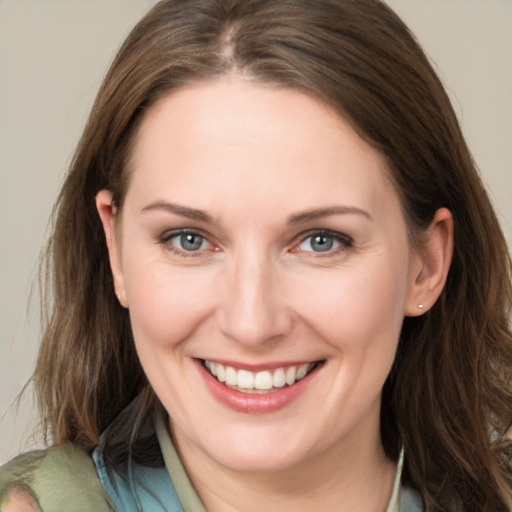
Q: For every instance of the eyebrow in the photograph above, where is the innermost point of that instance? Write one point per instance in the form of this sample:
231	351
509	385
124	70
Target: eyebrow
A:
183	211
298	218
319	213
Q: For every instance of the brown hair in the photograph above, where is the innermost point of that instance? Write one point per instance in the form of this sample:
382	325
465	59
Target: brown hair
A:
448	399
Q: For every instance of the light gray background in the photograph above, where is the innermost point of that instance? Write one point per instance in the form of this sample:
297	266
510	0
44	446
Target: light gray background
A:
53	54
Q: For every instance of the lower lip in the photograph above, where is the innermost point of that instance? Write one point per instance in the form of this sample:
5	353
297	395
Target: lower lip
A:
252	403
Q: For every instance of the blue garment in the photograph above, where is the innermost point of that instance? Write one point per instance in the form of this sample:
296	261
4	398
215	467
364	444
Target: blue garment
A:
410	501
142	489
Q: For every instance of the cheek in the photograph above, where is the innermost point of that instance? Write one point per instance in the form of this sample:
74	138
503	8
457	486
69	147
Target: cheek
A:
166	304
356	308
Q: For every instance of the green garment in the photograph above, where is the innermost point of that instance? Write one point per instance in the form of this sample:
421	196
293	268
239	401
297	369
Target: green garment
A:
59	479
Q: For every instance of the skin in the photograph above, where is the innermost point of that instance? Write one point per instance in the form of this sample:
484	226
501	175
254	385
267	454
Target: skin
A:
254	159
19	501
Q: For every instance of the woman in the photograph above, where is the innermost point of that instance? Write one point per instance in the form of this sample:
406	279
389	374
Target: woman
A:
278	282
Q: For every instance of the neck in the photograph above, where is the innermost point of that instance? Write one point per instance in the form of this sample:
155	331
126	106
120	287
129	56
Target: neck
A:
353	476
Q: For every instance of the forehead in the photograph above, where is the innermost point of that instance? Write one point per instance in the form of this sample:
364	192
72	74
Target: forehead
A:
231	136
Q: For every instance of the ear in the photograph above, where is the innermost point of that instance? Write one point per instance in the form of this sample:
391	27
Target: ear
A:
430	265
107	212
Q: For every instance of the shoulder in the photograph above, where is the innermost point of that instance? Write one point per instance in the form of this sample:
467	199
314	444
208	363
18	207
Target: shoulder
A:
58	479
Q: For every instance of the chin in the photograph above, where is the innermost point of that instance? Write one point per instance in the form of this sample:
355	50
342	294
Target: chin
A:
268	454
250	462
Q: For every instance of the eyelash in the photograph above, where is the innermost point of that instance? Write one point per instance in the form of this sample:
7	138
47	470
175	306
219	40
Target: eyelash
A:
344	241
168	236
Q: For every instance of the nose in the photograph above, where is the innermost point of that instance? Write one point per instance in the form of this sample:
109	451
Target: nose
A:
253	310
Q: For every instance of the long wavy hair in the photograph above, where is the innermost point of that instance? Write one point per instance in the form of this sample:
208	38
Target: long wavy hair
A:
448	399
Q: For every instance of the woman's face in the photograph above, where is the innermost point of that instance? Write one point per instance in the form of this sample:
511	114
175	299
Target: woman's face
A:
262	241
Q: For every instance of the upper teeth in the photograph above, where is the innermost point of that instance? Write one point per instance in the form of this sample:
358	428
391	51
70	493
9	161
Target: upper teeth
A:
266	379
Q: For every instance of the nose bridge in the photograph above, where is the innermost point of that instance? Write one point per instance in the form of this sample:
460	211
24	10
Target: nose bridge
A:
253	310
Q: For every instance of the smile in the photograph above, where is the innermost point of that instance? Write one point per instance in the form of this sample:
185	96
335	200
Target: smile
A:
261	382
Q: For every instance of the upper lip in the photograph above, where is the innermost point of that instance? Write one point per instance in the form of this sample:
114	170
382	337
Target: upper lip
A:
270	365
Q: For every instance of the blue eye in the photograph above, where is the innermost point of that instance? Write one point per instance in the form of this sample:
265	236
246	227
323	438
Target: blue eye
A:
324	242
188	242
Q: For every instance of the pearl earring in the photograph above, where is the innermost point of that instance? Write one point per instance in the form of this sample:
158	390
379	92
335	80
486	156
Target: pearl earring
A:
420	306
